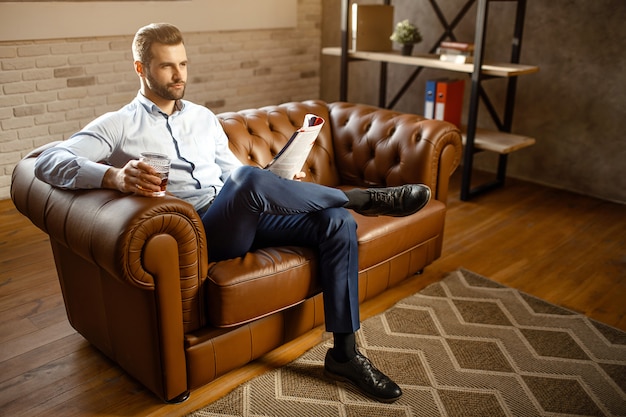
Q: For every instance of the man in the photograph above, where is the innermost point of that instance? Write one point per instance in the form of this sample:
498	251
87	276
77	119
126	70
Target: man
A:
245	206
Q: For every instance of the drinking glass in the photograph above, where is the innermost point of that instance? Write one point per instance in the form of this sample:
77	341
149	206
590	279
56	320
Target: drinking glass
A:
161	163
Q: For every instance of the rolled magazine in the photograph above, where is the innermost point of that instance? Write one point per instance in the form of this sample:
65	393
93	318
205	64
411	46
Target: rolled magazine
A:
289	161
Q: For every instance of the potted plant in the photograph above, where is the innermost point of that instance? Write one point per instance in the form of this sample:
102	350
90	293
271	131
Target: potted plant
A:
407	35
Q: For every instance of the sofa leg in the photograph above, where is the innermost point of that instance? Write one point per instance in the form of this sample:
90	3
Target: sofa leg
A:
179	398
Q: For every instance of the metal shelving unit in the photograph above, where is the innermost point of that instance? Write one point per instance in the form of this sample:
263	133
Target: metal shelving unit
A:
475	139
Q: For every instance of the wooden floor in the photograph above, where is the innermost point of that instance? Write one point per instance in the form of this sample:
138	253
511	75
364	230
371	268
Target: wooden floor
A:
565	248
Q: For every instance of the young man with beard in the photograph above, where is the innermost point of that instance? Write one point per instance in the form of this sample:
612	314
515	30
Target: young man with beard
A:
245	206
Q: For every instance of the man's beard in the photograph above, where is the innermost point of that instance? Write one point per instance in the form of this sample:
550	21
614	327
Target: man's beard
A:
161	90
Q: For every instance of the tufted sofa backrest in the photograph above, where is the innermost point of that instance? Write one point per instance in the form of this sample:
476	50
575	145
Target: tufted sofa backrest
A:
257	135
360	145
378	147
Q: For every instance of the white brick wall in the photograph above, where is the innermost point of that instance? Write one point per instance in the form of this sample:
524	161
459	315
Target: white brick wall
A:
50	89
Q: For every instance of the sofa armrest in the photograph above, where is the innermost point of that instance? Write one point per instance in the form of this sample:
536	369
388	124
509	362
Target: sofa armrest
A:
131	270
376	147
112	230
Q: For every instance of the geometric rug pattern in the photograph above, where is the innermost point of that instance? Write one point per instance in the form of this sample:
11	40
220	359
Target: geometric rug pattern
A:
462	347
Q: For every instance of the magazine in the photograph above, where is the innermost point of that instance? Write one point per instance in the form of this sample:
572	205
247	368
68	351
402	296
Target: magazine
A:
289	161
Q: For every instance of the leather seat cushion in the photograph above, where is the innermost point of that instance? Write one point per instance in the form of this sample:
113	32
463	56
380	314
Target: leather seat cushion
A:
382	238
260	283
272	279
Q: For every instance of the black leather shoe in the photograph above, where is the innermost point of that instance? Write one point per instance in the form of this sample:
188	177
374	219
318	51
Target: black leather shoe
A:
363	374
396	201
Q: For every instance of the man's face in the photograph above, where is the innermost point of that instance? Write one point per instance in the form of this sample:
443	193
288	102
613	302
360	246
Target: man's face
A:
166	76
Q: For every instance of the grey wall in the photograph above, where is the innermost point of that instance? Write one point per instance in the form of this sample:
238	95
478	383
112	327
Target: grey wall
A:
574	106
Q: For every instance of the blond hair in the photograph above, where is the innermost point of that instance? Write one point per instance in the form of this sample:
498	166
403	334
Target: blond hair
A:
146	36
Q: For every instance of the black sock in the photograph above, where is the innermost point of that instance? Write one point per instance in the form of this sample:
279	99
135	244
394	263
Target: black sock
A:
345	347
357	198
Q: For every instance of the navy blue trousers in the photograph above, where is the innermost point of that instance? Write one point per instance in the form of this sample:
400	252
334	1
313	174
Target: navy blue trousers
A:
257	208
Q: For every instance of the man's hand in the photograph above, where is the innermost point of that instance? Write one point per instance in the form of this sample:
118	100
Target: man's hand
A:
135	177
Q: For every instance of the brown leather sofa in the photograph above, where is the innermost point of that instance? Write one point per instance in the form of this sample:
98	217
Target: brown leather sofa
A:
134	271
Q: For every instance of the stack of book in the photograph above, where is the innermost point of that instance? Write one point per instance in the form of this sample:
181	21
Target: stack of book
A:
457	52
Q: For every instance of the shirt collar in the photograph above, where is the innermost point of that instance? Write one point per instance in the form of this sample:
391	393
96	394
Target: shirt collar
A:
150	107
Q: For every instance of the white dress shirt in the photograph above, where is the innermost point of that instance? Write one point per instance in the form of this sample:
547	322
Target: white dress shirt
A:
192	137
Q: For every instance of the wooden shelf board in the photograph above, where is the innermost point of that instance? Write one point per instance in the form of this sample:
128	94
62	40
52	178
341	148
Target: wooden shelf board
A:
432	61
500	142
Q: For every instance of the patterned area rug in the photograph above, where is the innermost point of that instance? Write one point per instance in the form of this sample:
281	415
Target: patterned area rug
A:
465	346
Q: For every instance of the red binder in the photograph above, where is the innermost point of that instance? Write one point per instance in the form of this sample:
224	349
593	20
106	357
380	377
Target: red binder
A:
449	101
